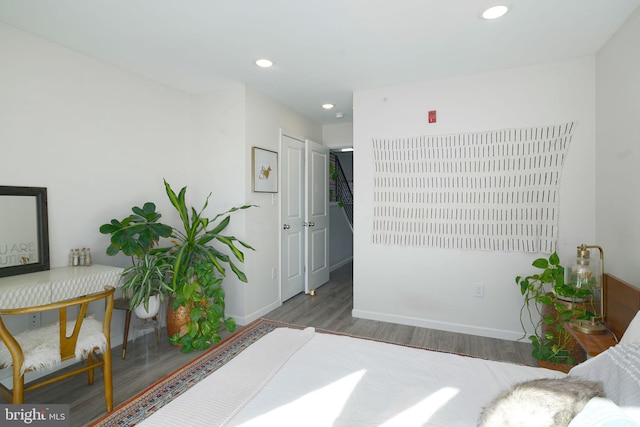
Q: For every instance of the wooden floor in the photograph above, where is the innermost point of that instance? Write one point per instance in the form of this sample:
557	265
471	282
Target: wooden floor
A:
329	309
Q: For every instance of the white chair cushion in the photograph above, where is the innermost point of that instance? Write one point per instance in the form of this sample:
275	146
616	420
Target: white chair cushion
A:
41	346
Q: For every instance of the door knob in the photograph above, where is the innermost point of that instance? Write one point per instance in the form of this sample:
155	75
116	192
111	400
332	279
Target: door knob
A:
311	224
286	226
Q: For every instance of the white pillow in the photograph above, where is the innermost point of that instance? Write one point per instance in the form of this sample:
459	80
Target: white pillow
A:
632	334
601	412
618	370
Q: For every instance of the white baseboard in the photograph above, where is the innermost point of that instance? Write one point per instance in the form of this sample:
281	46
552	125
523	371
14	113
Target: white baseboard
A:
435	324
245	320
341	263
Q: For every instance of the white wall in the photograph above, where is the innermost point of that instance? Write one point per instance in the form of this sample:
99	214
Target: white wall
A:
216	168
340	237
618	151
433	287
99	138
338	135
102	139
264	120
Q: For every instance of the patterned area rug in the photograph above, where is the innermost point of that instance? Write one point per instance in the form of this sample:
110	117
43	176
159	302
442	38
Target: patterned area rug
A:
147	402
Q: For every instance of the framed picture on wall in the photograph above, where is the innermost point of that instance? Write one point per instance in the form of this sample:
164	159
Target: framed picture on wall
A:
264	170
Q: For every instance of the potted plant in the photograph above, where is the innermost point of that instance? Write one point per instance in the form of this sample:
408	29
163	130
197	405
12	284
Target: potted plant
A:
146	284
137	236
554	303
199	258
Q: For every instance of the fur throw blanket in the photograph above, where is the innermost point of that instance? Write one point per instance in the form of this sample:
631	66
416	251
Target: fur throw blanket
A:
41	346
541	403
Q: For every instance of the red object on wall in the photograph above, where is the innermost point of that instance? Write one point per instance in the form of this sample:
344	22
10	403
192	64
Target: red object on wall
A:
432	116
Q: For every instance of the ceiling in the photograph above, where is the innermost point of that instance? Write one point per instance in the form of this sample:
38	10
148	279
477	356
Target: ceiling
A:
323	50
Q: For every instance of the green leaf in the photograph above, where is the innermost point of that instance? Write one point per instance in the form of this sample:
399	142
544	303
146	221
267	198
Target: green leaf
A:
178	202
229	242
195	314
238	273
112	250
548	320
206	328
246	245
523	287
110	228
192	329
178	265
566	315
230	324
540	263
221	226
545	299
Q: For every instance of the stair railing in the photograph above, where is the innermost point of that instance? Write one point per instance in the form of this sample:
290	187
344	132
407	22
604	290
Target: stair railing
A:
341	191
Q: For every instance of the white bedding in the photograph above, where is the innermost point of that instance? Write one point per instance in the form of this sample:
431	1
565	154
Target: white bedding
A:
618	369
219	396
331	380
343	381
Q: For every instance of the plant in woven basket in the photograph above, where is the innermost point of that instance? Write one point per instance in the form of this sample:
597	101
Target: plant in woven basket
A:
547	289
204	297
199	257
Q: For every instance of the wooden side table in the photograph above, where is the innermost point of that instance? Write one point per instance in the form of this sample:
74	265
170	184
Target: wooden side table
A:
122	303
592	344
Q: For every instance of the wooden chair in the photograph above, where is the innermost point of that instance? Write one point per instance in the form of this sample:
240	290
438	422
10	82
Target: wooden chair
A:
50	345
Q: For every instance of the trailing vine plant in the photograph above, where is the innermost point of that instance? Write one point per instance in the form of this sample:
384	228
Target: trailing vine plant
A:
551	341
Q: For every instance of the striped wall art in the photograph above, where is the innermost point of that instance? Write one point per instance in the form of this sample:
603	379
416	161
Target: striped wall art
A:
496	190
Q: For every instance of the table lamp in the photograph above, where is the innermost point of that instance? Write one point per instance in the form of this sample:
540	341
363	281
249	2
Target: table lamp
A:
587	272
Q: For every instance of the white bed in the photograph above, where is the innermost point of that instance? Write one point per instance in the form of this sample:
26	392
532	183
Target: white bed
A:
296	377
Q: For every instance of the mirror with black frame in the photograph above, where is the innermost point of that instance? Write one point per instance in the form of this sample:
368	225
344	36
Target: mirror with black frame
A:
24	233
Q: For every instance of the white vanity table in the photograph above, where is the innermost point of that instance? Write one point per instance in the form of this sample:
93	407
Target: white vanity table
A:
45	287
57	284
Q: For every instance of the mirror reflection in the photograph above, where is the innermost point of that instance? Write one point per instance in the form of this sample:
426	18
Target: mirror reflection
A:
18	231
24	242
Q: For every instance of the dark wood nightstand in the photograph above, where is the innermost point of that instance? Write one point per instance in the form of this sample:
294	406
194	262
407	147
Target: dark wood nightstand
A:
592	344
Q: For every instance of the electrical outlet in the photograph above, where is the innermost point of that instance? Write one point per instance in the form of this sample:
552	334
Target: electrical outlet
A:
478	290
35	320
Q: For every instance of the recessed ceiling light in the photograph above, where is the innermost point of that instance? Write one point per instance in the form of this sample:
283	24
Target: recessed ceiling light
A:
264	63
339	115
495	12
328	106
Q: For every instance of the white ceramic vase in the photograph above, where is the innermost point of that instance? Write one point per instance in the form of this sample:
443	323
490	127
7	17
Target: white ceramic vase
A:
154	307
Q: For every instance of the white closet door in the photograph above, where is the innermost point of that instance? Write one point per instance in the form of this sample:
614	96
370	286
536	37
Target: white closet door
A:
292	233
316	215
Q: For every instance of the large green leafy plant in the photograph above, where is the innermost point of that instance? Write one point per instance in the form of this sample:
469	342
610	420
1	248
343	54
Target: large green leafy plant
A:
551	341
138	236
199	256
